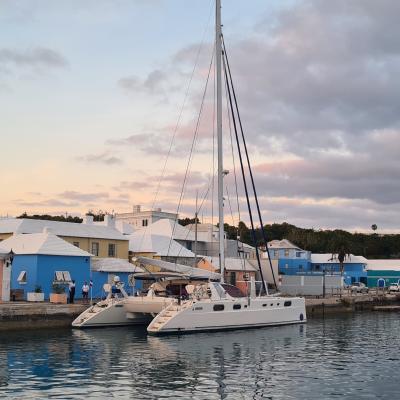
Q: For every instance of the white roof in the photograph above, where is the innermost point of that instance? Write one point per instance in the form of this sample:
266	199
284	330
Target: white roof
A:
233	264
327	259
282	244
114	265
383	265
26	225
3	251
144	242
165	227
42	243
124	228
183	269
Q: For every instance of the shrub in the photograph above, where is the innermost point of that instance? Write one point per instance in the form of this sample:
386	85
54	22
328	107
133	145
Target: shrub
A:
57	288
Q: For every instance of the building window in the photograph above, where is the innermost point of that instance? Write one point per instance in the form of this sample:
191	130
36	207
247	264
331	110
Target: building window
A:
286	253
298	254
22	278
111	250
95	248
300	267
76	244
62	277
232	278
276	254
317	267
145	222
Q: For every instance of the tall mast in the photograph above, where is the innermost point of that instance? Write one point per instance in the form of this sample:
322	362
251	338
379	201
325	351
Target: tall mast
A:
218	53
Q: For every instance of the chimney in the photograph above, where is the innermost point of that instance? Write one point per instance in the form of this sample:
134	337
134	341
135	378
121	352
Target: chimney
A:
109	220
136	208
88	219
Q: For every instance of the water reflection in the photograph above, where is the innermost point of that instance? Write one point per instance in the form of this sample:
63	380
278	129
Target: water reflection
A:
349	357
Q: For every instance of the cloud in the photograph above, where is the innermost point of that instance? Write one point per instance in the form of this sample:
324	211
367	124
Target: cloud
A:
154	83
47	203
84	197
103	158
34	57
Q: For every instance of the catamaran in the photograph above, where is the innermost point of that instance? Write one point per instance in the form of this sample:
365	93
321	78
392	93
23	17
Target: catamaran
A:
216	305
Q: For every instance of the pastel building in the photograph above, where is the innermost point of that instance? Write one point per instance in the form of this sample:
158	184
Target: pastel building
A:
43	259
139	218
4	274
293	260
100	239
104	270
382	273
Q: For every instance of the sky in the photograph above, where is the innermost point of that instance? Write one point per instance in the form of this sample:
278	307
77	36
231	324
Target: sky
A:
93	93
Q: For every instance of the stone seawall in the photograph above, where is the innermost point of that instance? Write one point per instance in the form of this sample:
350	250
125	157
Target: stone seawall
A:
38	315
346	304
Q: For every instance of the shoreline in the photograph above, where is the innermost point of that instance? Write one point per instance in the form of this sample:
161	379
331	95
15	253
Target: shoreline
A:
31	316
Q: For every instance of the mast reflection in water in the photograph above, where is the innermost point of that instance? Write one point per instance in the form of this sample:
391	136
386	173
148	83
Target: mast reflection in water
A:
347	356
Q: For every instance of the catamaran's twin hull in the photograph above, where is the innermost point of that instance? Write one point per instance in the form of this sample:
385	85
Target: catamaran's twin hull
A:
108	313
227	315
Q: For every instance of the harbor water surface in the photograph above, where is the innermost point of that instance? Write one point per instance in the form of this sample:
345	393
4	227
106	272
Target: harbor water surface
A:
352	356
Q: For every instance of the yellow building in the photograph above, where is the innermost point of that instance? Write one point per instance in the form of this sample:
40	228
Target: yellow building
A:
101	239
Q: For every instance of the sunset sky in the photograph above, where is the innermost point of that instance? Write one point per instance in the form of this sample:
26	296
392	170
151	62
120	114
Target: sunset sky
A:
91	92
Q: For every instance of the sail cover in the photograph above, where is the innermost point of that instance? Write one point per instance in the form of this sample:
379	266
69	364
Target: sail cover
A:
190	272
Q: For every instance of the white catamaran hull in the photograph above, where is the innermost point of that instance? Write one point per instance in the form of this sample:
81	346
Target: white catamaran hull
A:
206	315
108	313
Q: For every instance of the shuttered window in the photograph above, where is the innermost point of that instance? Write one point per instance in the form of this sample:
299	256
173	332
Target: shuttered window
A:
22	277
62	276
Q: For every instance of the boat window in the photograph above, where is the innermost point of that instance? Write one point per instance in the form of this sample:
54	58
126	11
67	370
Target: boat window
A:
278	304
219	307
245	306
264	305
237	306
272	304
198	308
233	291
287	303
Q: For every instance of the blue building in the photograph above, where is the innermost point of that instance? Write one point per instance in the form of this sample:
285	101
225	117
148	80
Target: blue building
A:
293	260
43	259
382	273
105	269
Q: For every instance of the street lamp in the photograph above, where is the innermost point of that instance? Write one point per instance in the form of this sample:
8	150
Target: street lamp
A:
10	257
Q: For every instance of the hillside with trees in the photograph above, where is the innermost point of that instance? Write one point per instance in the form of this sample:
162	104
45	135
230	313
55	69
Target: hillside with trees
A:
324	241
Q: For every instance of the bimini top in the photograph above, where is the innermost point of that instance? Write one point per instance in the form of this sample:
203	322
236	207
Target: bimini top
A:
189	272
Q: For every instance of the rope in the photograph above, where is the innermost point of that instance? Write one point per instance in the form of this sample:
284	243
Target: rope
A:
190	159
179	118
244	177
249	166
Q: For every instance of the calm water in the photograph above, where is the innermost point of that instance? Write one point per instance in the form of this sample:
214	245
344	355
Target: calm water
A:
355	357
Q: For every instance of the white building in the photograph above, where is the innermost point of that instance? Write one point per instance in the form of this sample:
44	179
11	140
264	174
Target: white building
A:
141	218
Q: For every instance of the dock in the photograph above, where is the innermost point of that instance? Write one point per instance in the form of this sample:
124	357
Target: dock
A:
351	303
24	315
